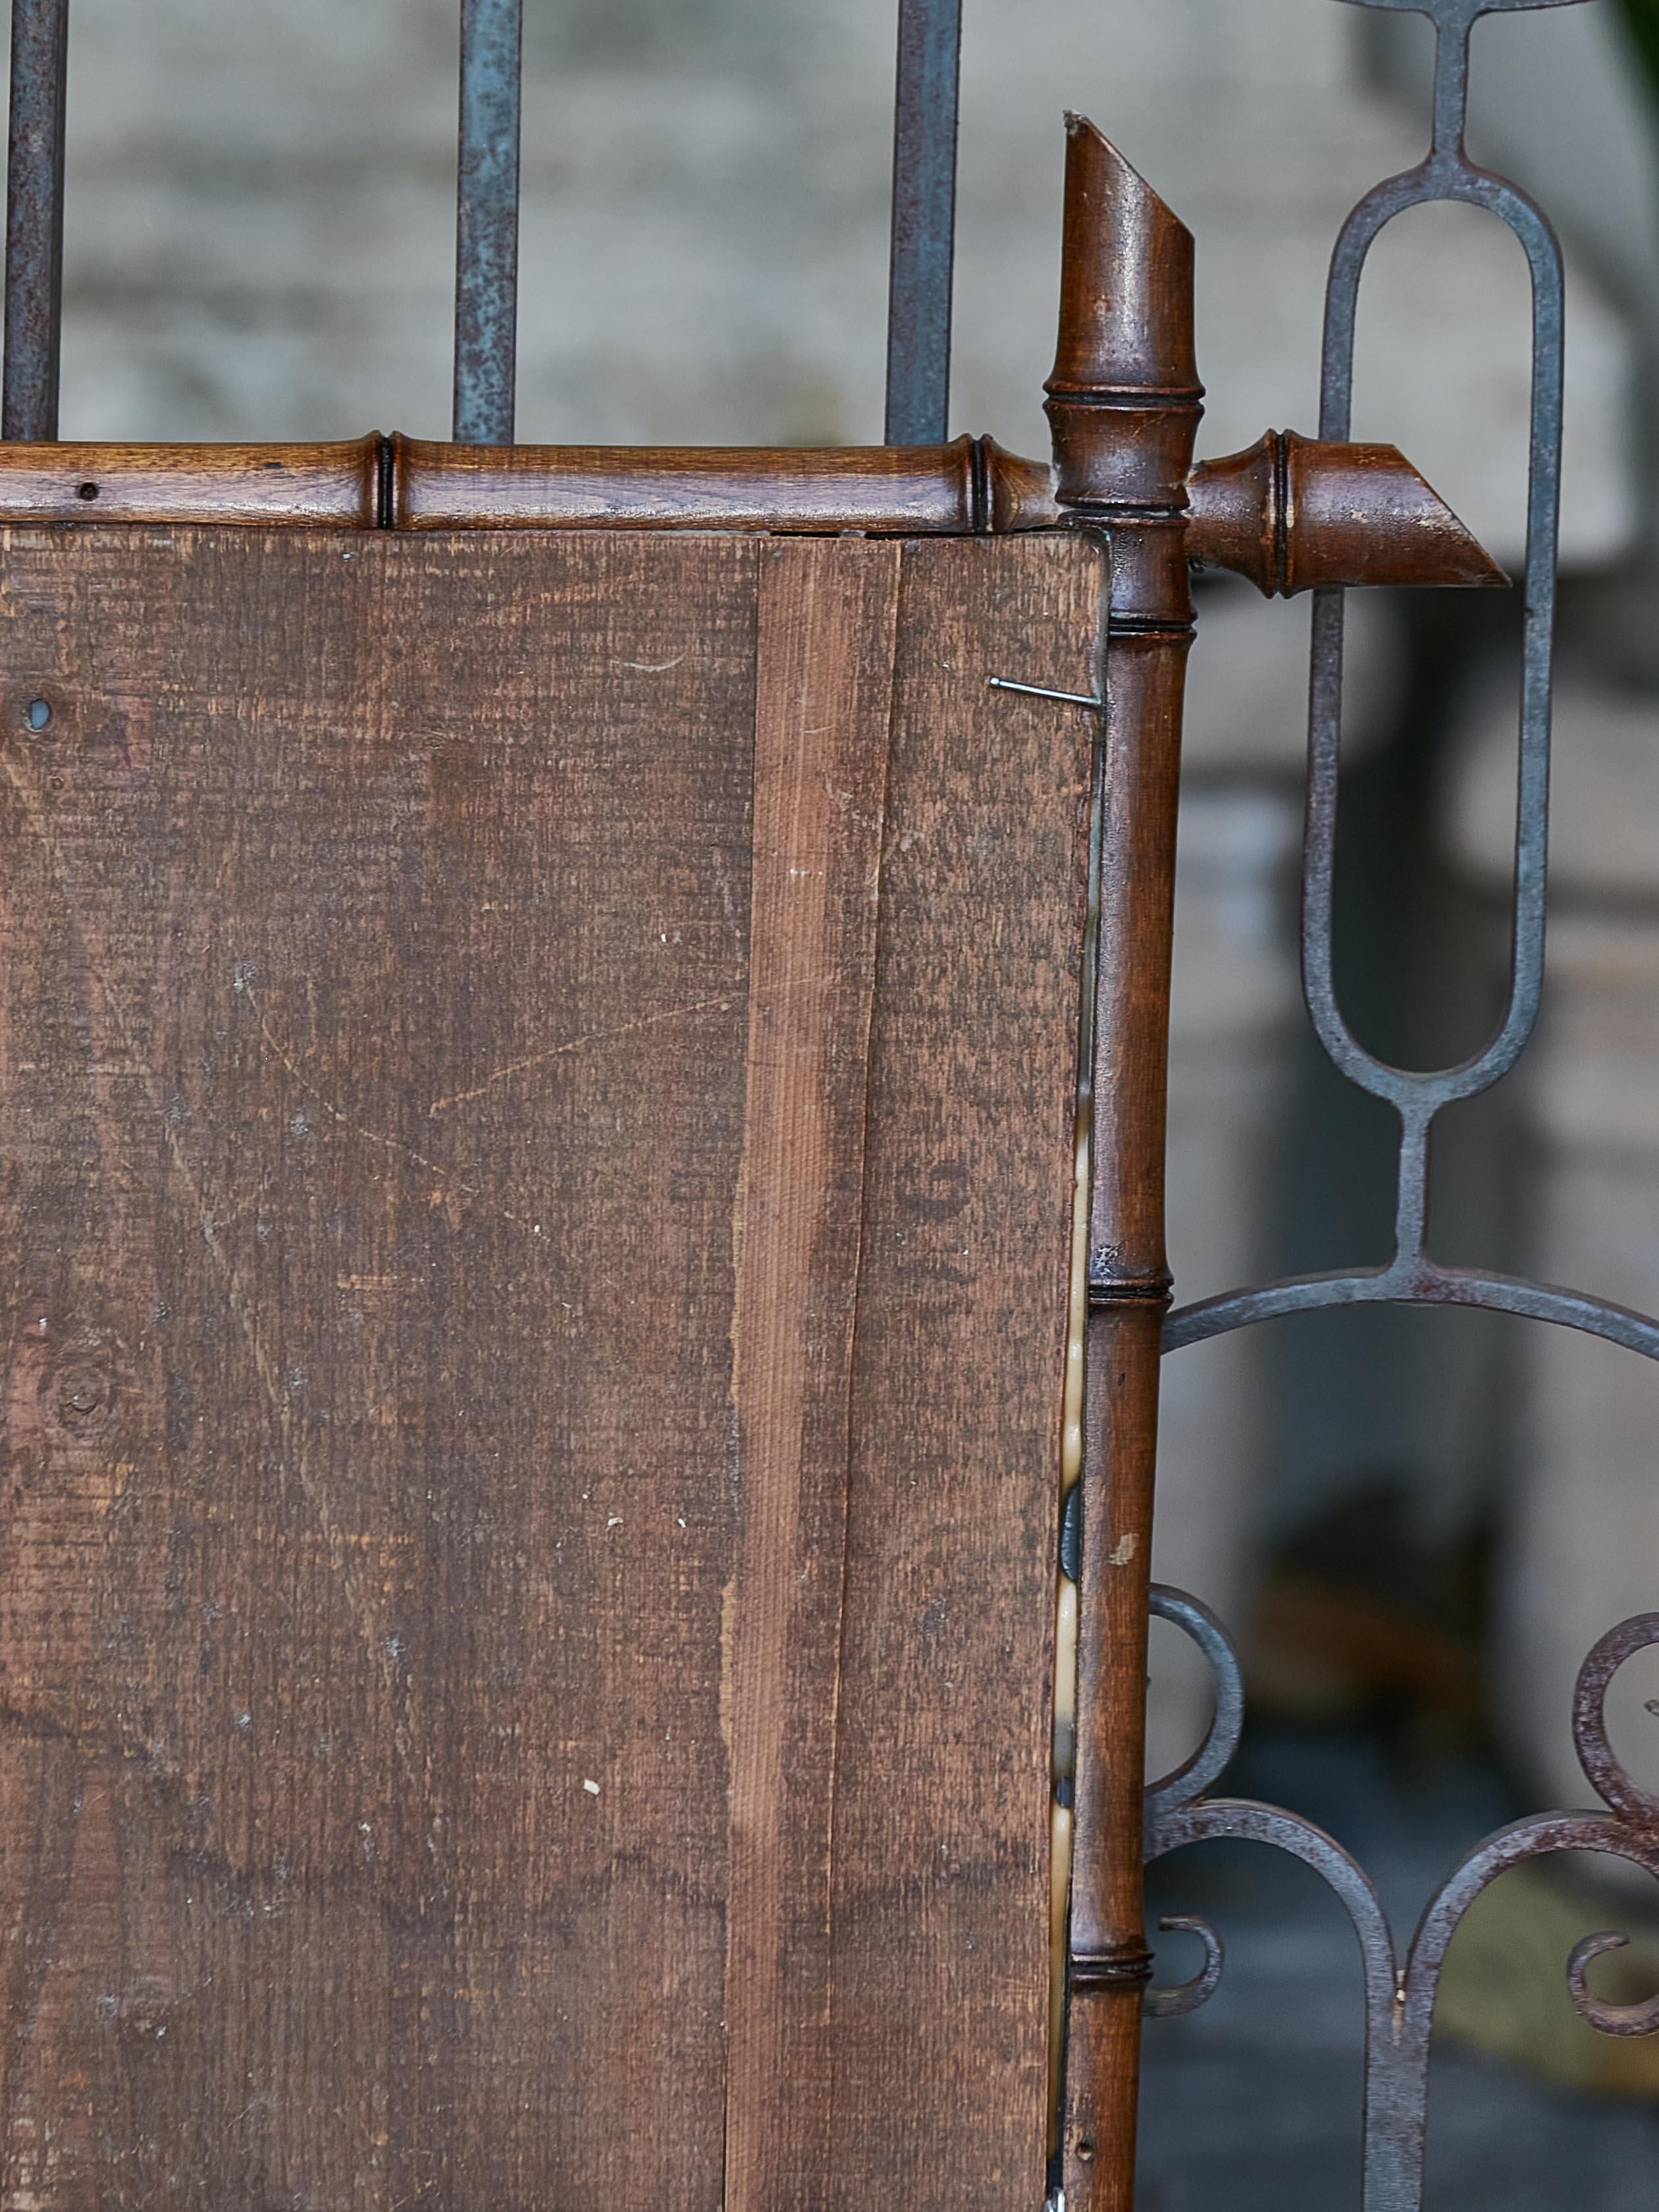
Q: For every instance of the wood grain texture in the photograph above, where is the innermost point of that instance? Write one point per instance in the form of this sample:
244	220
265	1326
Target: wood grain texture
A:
942	1782
1301	515
827	623
385	1011
1124	406
418	1102
306	486
411	483
887	488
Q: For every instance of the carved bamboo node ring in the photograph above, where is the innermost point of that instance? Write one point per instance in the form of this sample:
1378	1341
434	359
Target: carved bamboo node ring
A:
1130	1969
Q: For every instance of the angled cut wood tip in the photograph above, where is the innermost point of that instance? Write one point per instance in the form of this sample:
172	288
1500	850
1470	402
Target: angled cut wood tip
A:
1295	514
1364	515
1449	549
1094	163
1125	276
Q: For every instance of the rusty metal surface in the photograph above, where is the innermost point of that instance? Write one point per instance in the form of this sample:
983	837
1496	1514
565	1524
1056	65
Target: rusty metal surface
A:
35	218
487	222
1400	1991
924	222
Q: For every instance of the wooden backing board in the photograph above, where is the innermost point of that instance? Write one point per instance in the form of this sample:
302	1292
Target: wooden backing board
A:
534	1160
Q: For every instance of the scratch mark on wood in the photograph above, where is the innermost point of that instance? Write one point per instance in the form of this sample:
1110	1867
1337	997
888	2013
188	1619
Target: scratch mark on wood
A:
337	1115
722	1005
293	1433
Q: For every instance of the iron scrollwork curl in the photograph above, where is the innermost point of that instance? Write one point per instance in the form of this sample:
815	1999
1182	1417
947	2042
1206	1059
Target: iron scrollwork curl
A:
1400	1995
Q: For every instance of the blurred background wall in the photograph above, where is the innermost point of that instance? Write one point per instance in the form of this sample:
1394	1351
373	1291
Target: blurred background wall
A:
260	245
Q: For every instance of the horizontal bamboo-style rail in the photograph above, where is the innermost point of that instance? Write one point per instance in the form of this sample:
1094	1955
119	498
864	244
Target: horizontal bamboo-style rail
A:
411	483
1291	513
968	487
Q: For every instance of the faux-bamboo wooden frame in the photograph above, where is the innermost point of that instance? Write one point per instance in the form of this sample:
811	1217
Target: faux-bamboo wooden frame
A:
1290	513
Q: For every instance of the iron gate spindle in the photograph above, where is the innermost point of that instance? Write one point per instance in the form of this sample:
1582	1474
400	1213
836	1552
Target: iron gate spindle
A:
34	219
487	222
487	198
923	223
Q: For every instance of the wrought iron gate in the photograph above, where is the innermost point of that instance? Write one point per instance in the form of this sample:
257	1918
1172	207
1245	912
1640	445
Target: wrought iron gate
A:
1293	514
1110	1963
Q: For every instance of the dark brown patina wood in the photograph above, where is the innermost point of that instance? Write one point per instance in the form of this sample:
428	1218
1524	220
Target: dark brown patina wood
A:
308	487
1291	513
1124	402
450	1367
828	618
942	1823
900	489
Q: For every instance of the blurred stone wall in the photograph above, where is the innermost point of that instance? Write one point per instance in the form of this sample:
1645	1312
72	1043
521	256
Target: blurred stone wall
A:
261	226
260	245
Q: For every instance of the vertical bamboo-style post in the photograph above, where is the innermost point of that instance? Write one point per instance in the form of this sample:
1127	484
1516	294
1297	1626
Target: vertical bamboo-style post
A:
1124	404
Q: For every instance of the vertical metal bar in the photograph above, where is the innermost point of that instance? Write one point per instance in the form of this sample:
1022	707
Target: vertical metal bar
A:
487	222
924	222
34	219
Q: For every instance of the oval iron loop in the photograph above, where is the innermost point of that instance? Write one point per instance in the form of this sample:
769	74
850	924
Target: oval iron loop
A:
1418	1096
